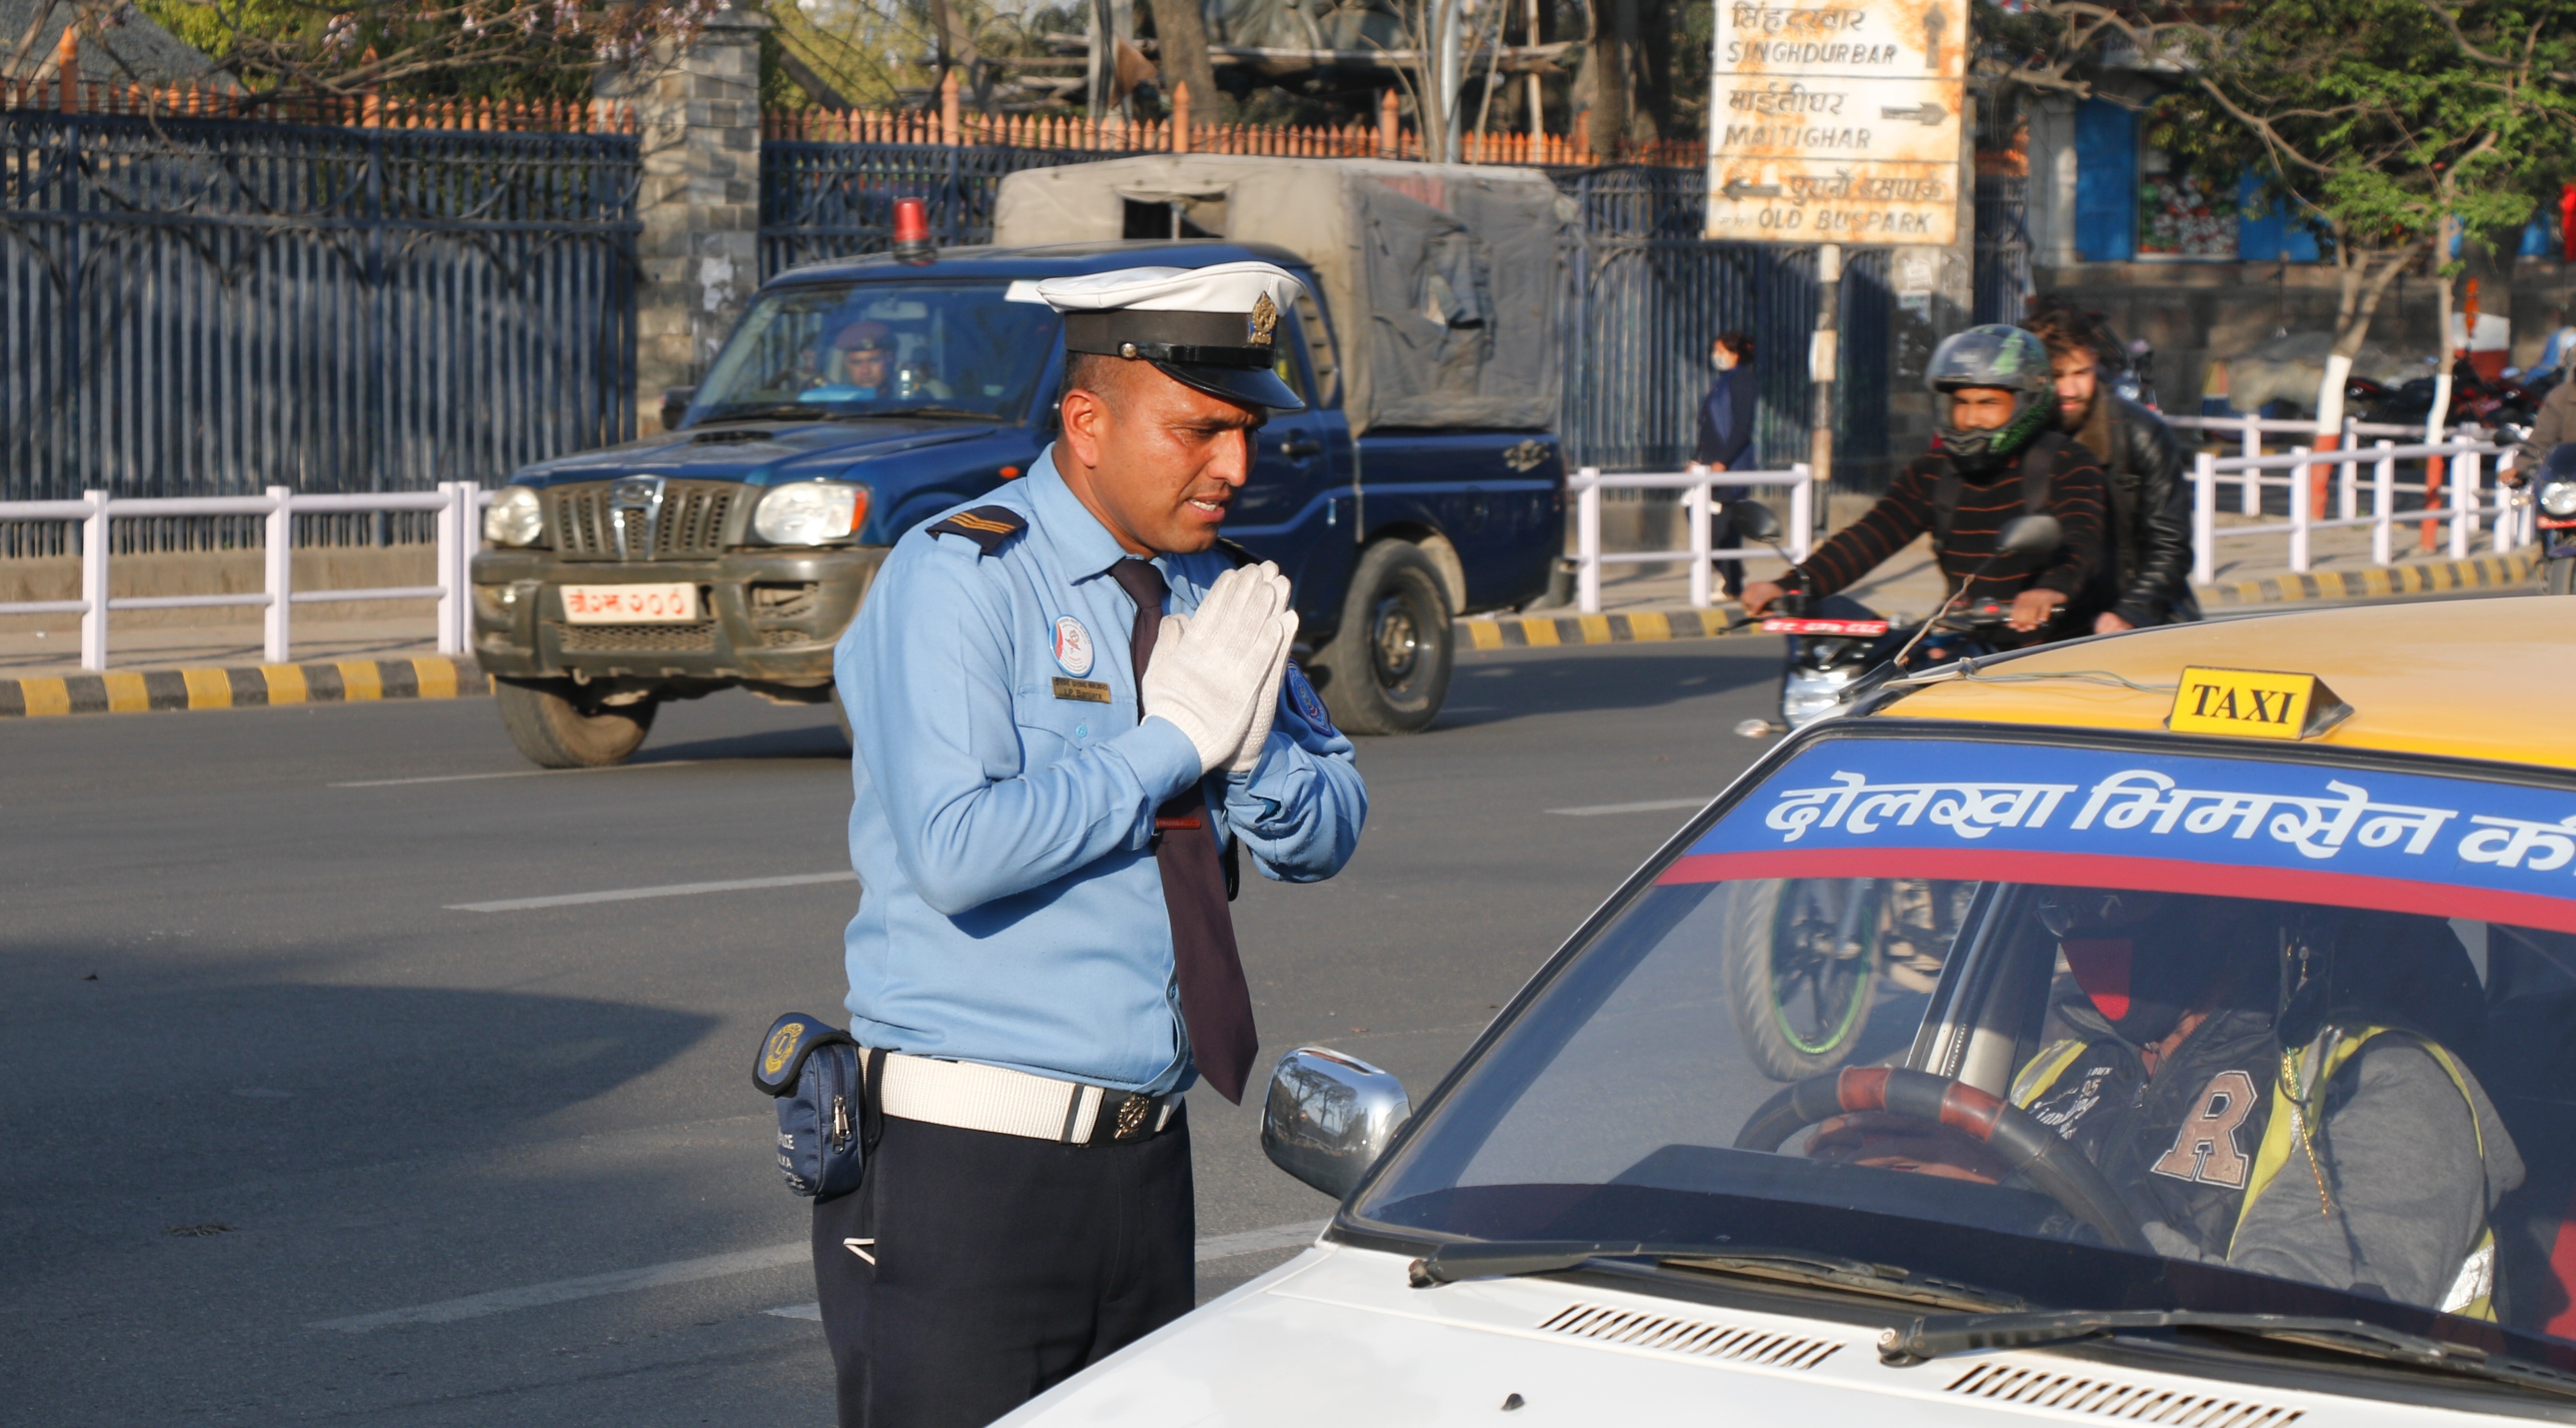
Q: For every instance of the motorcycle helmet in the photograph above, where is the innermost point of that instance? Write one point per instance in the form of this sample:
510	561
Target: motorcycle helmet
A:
2002	357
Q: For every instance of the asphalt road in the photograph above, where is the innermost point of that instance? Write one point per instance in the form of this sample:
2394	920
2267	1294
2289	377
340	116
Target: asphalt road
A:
292	1138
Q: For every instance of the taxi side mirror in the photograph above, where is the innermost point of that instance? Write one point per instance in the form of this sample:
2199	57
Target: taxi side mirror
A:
1329	1116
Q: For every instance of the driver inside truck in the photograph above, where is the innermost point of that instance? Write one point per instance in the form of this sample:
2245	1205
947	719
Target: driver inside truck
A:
864	364
2269	1086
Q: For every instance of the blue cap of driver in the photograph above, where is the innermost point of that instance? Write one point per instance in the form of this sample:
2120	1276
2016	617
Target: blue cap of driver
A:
1212	328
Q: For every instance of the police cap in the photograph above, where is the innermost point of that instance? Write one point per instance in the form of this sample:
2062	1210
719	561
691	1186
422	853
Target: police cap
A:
1211	328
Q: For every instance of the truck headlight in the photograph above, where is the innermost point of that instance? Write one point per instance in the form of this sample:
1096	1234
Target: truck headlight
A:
2558	498
810	512
514	517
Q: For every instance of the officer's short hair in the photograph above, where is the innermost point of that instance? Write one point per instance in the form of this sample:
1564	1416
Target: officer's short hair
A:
1092	371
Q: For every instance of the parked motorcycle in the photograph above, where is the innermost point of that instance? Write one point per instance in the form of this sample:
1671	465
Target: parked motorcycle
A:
2554	487
2475	400
1805	957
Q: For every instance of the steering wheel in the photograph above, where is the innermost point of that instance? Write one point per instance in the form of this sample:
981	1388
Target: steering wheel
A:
2053	1167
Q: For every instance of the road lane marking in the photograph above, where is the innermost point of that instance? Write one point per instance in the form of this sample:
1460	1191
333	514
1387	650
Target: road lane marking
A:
516	773
1659	805
517	904
689	1271
1277	1237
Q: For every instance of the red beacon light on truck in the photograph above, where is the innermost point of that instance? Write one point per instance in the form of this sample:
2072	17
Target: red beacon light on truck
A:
912	231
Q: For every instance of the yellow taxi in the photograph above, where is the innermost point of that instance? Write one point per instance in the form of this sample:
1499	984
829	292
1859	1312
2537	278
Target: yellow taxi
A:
2171	1028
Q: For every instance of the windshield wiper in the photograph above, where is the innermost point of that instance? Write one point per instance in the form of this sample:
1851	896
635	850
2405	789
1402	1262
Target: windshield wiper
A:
791	411
1940	1335
930	411
1497	1259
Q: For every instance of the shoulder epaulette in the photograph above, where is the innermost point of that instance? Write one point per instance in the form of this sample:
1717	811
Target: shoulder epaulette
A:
1234	551
988	526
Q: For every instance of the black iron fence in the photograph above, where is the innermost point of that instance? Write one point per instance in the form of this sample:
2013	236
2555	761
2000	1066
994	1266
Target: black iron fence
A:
1650	295
823	200
208	307
2003	274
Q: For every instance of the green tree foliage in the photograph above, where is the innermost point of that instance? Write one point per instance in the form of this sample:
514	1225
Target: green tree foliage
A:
2370	119
428	49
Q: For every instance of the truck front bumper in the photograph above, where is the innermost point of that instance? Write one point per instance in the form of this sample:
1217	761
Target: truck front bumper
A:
766	617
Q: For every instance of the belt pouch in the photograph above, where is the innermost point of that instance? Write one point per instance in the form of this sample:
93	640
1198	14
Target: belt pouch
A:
826	1118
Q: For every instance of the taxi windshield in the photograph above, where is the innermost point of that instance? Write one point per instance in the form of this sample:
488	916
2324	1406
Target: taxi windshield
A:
960	351
2106	1025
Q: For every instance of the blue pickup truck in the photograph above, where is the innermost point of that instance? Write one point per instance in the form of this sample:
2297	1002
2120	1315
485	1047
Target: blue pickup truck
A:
858	399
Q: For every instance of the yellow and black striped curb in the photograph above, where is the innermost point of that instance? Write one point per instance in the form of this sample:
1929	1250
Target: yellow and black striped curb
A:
2428	577
1512	632
2424	577
251	687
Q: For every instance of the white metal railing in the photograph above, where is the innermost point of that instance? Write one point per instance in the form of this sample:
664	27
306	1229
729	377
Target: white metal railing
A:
2464	463
1588	483
2251	430
459	505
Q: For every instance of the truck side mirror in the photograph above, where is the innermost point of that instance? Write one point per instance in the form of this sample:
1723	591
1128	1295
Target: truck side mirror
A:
1329	1116
675	405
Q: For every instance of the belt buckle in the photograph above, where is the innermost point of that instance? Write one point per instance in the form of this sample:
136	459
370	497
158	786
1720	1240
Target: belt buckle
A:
1132	1119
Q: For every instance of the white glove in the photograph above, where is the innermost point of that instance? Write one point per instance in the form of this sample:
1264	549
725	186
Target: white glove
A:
1209	668
1262	713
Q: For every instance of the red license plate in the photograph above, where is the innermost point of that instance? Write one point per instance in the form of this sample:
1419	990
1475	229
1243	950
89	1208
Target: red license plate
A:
1781	625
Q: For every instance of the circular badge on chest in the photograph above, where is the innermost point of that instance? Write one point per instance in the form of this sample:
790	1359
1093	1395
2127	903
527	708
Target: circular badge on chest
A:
1072	646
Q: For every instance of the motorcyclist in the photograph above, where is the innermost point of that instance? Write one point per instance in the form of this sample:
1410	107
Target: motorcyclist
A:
2553	424
2270	1086
2147	580
1995	458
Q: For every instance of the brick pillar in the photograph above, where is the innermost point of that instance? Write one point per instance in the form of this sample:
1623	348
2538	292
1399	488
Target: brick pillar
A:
698	115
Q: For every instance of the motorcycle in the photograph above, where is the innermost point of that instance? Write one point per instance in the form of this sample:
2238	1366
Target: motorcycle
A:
1805	958
2475	401
2554	487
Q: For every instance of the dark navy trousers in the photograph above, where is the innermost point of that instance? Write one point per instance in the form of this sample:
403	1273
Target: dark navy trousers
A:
970	1272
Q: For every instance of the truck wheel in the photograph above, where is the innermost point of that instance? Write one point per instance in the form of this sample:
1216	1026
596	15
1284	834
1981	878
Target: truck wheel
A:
557	733
1389	662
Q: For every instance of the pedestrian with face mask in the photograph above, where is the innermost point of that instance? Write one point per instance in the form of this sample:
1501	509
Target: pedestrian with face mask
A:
1725	443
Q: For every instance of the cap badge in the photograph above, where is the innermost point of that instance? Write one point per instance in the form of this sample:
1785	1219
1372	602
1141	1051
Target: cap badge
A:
1264	318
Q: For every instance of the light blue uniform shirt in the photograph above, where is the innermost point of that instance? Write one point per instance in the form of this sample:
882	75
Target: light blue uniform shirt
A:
1011	909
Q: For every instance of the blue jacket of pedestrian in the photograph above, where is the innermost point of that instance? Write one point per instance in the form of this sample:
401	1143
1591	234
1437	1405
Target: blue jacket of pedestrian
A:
1726	419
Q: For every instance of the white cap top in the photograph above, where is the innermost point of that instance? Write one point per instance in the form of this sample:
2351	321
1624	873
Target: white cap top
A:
1223	287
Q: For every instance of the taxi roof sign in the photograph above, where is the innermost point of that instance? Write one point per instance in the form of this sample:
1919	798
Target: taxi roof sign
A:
2254	703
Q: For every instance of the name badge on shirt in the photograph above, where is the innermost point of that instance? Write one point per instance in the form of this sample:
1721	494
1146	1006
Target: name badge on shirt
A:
1090	691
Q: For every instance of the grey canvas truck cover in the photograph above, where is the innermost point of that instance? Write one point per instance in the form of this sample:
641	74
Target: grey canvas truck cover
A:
1443	279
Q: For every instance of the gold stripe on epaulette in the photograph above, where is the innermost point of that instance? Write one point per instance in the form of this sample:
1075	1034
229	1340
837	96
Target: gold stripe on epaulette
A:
979	523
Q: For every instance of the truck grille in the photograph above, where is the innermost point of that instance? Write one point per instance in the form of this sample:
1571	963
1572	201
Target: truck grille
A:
584	521
617	639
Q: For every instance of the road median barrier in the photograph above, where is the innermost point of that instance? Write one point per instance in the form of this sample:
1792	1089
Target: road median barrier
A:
244	687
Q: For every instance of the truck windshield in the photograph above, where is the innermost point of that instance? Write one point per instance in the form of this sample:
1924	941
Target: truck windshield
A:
942	350
2098	1025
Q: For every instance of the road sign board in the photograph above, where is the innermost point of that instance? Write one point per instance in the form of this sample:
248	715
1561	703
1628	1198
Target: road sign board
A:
1837	122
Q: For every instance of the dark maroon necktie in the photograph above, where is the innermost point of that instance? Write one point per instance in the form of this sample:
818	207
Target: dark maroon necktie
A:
1216	1005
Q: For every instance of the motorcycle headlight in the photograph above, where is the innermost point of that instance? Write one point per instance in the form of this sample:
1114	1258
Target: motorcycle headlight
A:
2558	498
810	512
514	517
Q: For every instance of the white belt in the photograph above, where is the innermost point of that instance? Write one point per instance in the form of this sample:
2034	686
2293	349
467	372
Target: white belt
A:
972	1096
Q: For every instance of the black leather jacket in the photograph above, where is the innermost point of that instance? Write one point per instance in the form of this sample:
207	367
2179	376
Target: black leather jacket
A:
2150	518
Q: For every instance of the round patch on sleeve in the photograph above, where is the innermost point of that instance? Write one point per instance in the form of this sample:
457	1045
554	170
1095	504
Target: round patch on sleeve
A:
1072	646
1309	704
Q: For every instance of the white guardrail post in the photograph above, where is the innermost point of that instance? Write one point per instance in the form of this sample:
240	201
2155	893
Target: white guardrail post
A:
2250	447
2301	498
2383	506
279	557
2204	517
2508	508
1696	505
94	552
451	590
1802	513
1587	540
2348	490
2464	501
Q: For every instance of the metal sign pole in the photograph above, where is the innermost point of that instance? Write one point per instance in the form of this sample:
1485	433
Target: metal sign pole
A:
1824	361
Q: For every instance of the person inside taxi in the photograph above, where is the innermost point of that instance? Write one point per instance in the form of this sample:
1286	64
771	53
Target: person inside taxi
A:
2270	1086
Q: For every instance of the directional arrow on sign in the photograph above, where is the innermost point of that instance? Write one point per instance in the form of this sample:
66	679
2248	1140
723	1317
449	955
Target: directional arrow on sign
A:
1929	113
1741	189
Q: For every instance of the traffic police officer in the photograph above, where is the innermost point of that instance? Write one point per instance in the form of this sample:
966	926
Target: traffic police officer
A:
1074	717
